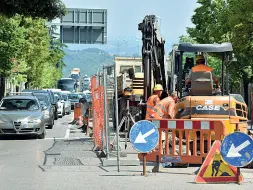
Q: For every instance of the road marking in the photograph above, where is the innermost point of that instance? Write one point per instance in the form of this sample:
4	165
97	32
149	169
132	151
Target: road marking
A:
55	138
67	132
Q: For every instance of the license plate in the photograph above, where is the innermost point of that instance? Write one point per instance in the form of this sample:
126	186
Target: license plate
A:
27	126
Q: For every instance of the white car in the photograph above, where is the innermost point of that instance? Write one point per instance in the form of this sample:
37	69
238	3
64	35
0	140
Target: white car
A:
60	103
67	103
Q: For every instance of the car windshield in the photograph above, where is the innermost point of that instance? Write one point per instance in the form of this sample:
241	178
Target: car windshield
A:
59	95
42	98
19	104
73	96
75	76
66	84
65	97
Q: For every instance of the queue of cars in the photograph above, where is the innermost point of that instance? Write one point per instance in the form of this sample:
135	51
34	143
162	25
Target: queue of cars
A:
30	111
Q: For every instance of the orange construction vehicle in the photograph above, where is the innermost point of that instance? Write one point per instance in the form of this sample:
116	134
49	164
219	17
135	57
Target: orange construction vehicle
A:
200	101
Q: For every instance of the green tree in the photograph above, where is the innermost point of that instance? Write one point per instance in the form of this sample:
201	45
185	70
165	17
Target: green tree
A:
47	9
27	54
12	43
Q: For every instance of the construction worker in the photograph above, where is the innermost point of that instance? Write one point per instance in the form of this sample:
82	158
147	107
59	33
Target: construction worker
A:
154	99
174	96
165	109
200	66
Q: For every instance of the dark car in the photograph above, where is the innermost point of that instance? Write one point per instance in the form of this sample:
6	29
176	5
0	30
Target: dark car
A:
74	98
52	99
49	111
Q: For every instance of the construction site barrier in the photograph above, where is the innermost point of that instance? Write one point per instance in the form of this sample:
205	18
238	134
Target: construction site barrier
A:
97	92
185	141
77	111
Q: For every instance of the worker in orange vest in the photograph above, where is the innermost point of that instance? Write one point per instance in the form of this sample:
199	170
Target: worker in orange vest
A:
153	100
175	97
165	109
200	66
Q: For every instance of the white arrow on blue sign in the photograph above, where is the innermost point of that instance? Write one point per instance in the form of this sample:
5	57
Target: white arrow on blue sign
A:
237	149
144	136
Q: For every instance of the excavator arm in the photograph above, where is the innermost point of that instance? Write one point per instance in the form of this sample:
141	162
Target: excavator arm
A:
153	54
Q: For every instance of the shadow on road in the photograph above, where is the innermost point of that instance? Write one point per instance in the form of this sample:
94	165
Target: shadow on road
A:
18	137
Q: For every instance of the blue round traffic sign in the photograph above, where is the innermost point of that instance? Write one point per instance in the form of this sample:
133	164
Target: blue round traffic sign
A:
237	149
144	136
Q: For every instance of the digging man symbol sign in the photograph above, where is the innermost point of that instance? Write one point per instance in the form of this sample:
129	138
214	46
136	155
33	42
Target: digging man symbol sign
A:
215	169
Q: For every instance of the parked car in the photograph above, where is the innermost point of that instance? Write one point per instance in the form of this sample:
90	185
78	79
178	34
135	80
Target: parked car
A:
87	95
52	99
67	103
49	112
74	98
60	103
21	114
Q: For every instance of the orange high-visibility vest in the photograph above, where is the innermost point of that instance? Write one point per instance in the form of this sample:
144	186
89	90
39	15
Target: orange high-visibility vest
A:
164	109
201	67
150	105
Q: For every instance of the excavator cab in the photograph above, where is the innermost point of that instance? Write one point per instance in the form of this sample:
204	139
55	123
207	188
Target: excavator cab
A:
200	100
201	83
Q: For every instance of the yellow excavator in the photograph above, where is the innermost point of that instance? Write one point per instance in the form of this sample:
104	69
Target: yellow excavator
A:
201	101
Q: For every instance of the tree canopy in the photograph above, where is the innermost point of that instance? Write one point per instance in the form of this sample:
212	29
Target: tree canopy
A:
28	53
47	9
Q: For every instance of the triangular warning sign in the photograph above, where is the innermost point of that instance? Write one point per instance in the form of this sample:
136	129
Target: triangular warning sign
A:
215	169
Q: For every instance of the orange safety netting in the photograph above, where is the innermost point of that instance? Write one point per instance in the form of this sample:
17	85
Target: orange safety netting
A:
97	92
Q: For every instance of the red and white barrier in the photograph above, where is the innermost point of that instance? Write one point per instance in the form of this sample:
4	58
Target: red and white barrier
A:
184	124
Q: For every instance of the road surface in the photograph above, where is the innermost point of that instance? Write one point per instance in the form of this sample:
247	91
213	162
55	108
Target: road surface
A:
65	160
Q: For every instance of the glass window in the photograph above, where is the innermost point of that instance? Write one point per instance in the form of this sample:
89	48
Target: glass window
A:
137	69
125	68
19	104
65	97
43	98
73	96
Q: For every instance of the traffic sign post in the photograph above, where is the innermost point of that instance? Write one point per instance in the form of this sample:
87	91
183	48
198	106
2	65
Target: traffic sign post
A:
237	150
144	137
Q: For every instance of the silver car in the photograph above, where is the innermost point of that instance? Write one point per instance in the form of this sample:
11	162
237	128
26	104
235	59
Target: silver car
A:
49	112
67	103
22	114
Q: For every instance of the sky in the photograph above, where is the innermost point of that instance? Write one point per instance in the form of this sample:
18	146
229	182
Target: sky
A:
124	16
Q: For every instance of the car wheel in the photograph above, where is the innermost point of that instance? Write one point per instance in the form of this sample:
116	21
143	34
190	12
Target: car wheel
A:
42	135
50	126
56	116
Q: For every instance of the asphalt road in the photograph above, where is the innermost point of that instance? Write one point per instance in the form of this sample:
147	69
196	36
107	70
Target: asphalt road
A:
65	160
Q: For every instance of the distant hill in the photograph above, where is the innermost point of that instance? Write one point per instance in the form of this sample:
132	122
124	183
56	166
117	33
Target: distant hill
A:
88	60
